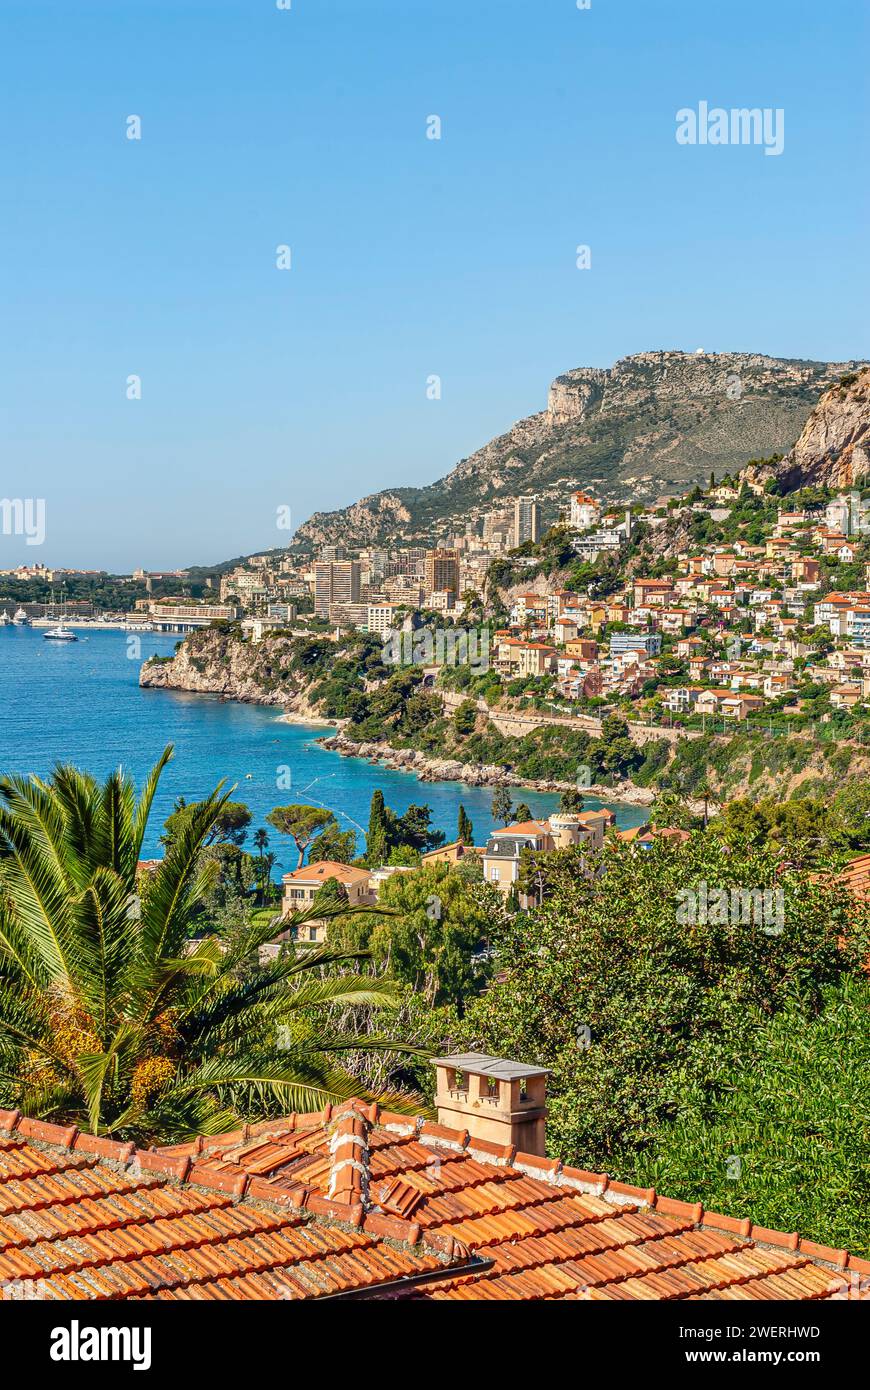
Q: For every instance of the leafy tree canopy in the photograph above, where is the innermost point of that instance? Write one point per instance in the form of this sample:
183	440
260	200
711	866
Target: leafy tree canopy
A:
301	823
644	1009
433	940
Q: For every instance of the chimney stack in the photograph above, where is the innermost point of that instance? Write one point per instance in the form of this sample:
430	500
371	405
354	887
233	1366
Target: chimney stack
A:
501	1101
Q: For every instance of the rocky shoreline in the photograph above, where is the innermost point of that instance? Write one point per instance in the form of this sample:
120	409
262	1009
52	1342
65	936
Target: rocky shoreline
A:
428	769
225	671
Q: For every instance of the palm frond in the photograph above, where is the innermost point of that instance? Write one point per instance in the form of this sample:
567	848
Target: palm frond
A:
296	1082
179	883
146	798
77	794
102	923
36	884
114	840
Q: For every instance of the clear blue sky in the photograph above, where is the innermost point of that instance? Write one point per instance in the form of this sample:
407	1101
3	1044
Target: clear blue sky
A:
411	257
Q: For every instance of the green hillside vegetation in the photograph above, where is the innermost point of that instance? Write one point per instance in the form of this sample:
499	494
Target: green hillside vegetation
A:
676	1048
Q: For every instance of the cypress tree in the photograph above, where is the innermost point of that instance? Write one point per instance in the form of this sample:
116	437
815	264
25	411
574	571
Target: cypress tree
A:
465	829
377	836
502	806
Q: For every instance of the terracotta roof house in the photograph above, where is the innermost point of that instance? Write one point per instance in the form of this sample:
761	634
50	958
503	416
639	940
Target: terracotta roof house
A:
645	836
302	885
358	1202
502	856
450	854
845	696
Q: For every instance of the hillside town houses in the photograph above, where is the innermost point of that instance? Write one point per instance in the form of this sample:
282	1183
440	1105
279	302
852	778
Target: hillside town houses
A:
729	631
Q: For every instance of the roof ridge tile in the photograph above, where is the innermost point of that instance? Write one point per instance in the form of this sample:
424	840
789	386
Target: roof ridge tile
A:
536	1166
457	1138
670	1206
381	1223
153	1161
623	1192
593	1183
349	1174
218	1179
484	1148
104	1148
62	1135
781	1239
403	1124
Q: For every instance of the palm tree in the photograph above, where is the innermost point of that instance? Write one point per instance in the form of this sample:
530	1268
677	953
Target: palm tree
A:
268	863
261	843
110	1016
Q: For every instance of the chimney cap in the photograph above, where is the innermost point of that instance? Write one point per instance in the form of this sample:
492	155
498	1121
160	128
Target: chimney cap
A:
482	1065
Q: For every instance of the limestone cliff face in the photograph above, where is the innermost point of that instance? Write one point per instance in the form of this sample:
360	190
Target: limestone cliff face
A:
571	395
211	663
377	513
653	423
834	446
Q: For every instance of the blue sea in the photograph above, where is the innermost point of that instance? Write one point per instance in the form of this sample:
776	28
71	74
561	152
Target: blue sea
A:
80	702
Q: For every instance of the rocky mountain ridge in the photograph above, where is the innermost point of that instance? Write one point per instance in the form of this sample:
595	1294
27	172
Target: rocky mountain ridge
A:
655	422
834	446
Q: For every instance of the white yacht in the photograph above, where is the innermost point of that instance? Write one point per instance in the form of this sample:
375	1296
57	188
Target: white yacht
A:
5	619
21	619
59	632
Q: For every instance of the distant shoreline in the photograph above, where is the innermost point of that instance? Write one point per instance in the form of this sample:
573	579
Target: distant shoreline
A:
84	624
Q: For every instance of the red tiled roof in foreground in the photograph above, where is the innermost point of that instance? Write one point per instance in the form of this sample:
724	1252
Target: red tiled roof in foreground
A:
856	875
354	1199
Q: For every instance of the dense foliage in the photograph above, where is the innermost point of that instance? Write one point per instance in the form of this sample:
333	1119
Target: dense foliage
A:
663	1034
398	839
435	935
791	1118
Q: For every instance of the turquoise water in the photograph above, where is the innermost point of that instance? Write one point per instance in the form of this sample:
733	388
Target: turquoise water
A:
81	702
